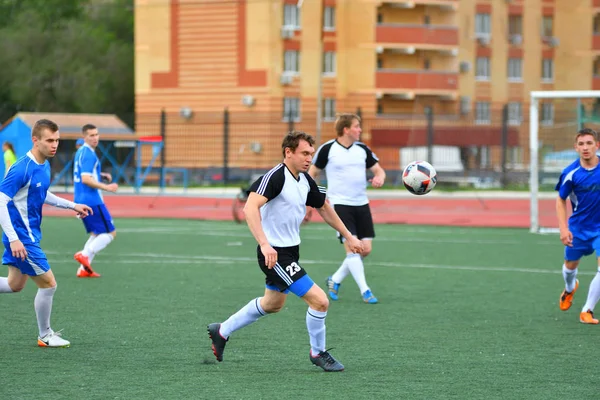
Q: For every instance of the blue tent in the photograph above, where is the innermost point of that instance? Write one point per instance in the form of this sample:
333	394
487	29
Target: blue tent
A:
18	133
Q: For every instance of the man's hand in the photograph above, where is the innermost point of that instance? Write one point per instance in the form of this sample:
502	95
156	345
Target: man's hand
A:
270	255
18	250
566	237
377	182
83	210
106	177
112	187
355	244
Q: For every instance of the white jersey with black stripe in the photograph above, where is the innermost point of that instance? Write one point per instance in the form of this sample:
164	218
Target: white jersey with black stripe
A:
346	170
286	206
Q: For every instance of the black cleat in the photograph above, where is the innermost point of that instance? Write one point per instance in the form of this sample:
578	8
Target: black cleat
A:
327	362
218	342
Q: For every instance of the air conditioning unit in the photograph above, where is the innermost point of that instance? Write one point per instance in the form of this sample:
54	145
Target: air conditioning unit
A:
286	79
287	32
465	105
379	49
464	66
484	40
553	41
516	40
248	100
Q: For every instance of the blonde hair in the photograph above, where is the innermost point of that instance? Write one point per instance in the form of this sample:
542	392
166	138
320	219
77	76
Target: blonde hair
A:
343	121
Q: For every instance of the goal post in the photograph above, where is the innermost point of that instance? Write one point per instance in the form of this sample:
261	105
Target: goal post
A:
573	100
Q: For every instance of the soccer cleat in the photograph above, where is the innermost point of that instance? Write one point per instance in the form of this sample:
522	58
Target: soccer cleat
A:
566	298
82	273
84	261
332	288
218	341
369	298
326	361
53	339
587	317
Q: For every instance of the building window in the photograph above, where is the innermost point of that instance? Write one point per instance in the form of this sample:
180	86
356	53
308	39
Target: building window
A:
329	19
379	107
426	64
482	69
291	16
483	25
379	63
329	63
379	18
547	26
547	114
515	69
515	114
597	24
482	113
597	67
547	70
291	108
515	25
329	109
291	61
426	20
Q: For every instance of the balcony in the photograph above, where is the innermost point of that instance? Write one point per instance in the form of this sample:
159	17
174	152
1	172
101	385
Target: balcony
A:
423	37
411	83
445	4
596	41
596	82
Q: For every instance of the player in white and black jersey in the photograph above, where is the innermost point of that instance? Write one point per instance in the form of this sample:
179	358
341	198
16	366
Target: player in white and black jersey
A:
346	161
274	211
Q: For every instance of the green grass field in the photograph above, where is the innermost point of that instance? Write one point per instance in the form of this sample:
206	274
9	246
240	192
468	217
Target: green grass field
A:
463	313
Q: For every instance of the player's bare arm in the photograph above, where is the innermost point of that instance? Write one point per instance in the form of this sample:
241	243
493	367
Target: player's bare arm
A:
330	216
252	211
314	173
379	176
90	181
566	237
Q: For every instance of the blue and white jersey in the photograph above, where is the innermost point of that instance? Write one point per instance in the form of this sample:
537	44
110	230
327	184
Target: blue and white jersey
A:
582	187
26	183
86	163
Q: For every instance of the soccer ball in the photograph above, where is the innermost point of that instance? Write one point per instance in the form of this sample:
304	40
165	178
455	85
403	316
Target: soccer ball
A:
419	177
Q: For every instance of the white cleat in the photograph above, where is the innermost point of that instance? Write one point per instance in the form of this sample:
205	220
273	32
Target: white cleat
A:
53	339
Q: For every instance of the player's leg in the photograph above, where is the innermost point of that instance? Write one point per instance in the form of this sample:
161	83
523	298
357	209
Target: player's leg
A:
366	233
15	282
318	304
572	256
83	272
587	312
101	225
40	272
271	302
335	280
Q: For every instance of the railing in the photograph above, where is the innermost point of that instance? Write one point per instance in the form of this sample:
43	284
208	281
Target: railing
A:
412	34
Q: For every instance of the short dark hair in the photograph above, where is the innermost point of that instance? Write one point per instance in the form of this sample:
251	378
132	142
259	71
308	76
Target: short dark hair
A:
587	131
344	120
292	140
42	125
87	127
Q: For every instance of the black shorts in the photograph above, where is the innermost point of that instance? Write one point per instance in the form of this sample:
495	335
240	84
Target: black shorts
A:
357	219
286	271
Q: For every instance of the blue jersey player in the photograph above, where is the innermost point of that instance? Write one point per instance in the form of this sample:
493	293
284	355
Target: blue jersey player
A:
23	192
88	183
580	182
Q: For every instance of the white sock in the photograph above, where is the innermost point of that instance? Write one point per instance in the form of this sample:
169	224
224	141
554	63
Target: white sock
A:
250	313
315	323
89	241
86	250
570	276
341	273
43	309
4	288
98	244
593	293
357	269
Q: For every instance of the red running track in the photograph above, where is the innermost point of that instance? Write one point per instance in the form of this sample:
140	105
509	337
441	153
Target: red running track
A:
410	210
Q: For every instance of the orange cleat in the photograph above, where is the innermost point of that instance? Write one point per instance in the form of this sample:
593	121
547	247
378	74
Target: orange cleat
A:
588	318
84	261
82	273
566	299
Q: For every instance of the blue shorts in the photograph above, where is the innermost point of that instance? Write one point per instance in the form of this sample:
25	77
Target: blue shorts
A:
582	248
99	222
299	288
35	264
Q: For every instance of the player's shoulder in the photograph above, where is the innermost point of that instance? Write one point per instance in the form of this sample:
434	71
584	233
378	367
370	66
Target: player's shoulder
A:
571	168
363	146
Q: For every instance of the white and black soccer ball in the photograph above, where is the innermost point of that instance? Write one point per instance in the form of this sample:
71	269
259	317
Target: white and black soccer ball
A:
419	177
